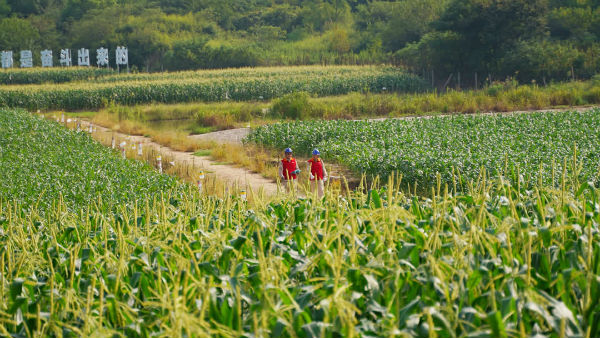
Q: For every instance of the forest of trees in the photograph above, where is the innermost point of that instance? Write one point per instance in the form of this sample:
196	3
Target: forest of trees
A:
529	40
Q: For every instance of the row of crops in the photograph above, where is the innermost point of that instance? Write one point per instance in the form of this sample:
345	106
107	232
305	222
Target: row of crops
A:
495	261
77	74
532	146
254	72
163	89
51	75
41	161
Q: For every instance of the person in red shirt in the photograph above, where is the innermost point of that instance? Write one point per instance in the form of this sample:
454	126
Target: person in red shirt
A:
288	170
318	173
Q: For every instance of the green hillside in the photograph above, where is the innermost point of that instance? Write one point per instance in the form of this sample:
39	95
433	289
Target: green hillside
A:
541	40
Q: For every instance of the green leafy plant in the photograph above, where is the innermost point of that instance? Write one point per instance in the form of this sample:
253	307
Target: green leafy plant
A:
40	161
526	147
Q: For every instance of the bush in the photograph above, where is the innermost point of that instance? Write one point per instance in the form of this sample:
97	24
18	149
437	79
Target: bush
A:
292	106
592	95
218	121
542	60
198	54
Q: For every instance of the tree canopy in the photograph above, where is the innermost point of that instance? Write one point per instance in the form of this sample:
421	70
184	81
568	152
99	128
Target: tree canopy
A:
525	39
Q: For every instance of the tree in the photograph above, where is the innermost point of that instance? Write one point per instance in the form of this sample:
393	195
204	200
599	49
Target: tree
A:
320	15
409	21
285	17
435	50
574	24
4	9
339	41
542	60
18	34
49	36
76	9
98	28
488	28
27	7
198	53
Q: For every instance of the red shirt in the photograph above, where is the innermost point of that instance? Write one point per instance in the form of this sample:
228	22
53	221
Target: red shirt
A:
316	168
289	167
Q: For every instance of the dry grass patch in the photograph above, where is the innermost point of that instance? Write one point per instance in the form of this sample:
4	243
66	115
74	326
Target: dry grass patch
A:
252	157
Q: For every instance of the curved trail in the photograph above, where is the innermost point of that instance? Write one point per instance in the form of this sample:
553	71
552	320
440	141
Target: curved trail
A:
233	176
244	178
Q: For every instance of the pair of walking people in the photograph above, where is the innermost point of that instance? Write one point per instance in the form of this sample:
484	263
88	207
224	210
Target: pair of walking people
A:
289	170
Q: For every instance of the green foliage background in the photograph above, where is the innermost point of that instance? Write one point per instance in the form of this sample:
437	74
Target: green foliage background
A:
542	40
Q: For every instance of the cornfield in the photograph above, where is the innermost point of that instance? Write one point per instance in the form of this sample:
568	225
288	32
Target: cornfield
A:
494	262
146	256
210	87
51	75
41	162
528	147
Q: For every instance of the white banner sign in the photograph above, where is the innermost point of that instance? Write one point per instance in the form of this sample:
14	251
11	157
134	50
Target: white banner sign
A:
102	57
7	59
122	56
46	58
26	59
65	59
83	57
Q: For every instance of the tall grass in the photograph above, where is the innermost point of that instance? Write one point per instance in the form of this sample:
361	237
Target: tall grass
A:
501	97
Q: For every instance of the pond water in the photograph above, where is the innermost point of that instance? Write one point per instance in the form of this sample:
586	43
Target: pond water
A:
178	125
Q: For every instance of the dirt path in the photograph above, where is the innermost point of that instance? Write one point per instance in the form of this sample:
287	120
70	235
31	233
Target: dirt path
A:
233	176
244	178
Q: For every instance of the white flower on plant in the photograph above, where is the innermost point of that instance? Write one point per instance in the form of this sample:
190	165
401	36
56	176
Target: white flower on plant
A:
502	237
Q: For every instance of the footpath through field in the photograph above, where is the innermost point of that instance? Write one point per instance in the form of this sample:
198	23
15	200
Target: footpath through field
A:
242	177
233	176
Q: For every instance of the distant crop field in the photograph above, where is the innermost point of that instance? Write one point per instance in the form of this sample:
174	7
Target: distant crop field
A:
22	76
532	145
209	86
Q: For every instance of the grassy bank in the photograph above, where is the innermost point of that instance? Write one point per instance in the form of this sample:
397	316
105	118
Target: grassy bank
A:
500	97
